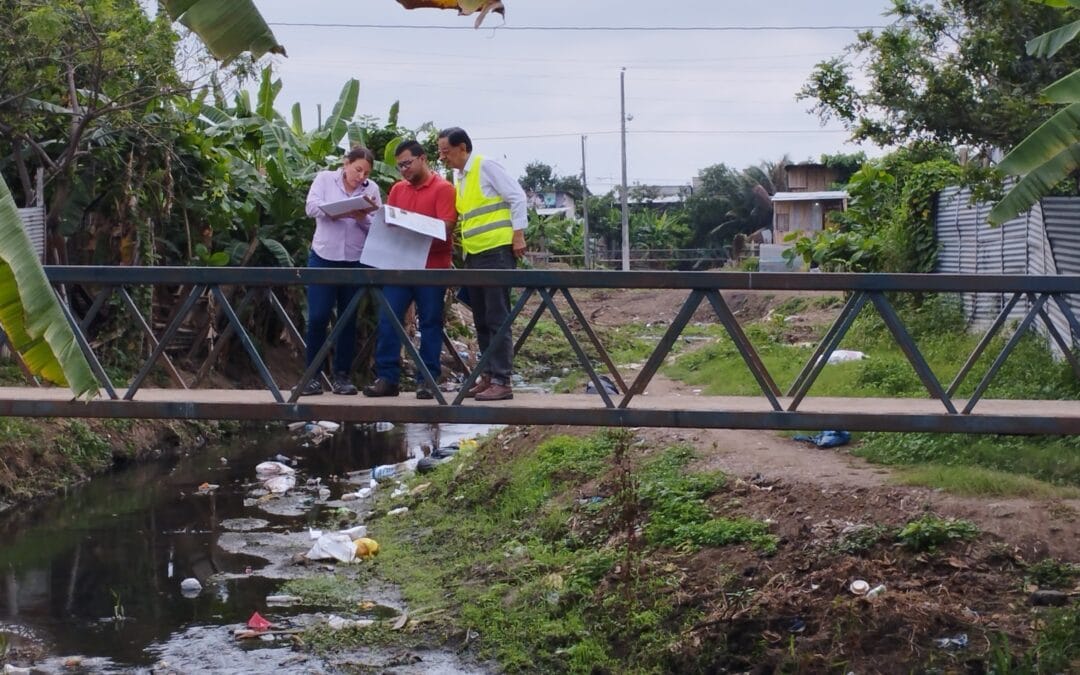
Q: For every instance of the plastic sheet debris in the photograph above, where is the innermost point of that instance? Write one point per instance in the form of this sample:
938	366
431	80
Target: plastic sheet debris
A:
845	356
279	485
606	382
206	488
329	426
333	546
283	600
264	470
826	439
398	511
340	623
958	642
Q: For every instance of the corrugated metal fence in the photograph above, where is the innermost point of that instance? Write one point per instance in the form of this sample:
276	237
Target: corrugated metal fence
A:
33	219
1045	240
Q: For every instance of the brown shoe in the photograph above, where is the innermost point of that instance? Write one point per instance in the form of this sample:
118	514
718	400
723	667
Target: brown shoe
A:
496	392
482	383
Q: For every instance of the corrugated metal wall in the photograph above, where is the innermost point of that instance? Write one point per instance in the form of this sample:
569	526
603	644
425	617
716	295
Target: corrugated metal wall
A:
33	219
1045	240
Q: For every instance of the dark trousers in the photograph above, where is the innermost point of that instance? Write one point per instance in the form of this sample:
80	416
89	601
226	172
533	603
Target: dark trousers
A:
321	300
429	310
490	307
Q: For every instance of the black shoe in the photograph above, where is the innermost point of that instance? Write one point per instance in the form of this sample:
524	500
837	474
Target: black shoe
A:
312	388
381	387
343	386
423	391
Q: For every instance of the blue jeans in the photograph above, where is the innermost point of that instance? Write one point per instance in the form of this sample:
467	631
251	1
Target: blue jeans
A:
321	300
429	310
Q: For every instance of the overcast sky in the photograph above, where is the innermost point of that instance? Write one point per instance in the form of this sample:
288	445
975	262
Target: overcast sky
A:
696	98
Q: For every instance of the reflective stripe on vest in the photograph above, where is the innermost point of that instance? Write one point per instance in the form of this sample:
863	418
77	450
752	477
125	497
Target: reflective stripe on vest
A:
485	221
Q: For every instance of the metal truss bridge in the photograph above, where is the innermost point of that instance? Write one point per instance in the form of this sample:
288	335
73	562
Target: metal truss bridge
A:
236	293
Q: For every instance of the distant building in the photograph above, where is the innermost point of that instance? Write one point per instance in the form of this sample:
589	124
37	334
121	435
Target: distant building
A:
552	203
804	206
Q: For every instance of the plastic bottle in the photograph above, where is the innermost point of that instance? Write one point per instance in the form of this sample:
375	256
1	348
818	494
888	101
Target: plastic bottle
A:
383	471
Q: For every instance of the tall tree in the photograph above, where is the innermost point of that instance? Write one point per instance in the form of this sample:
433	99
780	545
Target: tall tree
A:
76	75
952	71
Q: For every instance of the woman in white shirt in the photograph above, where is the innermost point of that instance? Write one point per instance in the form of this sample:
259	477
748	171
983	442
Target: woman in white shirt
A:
338	242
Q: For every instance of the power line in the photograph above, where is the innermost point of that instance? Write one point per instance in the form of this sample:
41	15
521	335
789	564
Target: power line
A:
701	132
638	29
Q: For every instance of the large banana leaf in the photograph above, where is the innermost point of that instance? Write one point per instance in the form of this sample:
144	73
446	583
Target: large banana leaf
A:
30	313
228	28
1035	185
343	111
1065	90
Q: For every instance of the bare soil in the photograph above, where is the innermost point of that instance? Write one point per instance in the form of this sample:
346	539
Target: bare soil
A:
811	496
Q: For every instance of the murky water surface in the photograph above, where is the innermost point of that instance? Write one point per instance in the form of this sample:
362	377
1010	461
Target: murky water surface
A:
96	573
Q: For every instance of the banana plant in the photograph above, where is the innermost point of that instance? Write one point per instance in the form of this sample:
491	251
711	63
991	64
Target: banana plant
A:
229	28
1051	153
31	315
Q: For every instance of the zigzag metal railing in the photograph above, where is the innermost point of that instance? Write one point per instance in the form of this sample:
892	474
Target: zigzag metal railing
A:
546	286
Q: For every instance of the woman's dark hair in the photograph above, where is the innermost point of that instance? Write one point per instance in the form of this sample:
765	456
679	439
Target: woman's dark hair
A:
457	136
412	146
360	152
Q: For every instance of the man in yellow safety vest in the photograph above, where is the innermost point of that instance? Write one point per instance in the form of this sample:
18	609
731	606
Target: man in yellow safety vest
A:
492	217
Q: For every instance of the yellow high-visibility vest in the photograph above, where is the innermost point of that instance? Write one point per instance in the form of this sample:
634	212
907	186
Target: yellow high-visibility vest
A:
485	221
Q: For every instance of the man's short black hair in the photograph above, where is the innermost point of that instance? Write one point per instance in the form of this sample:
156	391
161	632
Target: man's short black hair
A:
457	136
411	145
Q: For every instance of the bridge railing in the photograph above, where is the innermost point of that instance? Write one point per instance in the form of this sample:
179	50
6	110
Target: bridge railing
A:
539	292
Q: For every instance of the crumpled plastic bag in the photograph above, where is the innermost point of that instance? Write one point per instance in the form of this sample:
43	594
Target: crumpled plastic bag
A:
609	386
826	439
334	545
279	485
266	470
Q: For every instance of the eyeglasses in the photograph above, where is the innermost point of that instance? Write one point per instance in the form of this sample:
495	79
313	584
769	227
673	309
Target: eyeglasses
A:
405	164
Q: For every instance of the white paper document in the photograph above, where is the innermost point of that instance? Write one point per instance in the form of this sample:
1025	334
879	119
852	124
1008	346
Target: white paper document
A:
346	205
389	247
432	227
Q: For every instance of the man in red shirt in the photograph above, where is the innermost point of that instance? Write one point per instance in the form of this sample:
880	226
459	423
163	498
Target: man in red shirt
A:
425	192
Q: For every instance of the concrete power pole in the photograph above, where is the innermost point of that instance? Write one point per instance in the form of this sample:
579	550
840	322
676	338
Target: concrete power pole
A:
625	215
585	206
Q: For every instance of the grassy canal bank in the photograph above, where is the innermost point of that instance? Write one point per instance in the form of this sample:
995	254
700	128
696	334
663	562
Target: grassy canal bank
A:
562	550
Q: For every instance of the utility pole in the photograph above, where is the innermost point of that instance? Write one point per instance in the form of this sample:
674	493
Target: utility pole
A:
625	215
585	206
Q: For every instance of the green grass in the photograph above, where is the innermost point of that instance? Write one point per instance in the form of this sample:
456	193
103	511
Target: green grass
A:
550	583
978	482
1050	459
930	532
332	591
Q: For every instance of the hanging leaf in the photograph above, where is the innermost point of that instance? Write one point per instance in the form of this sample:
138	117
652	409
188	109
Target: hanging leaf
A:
31	315
228	29
278	251
343	111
